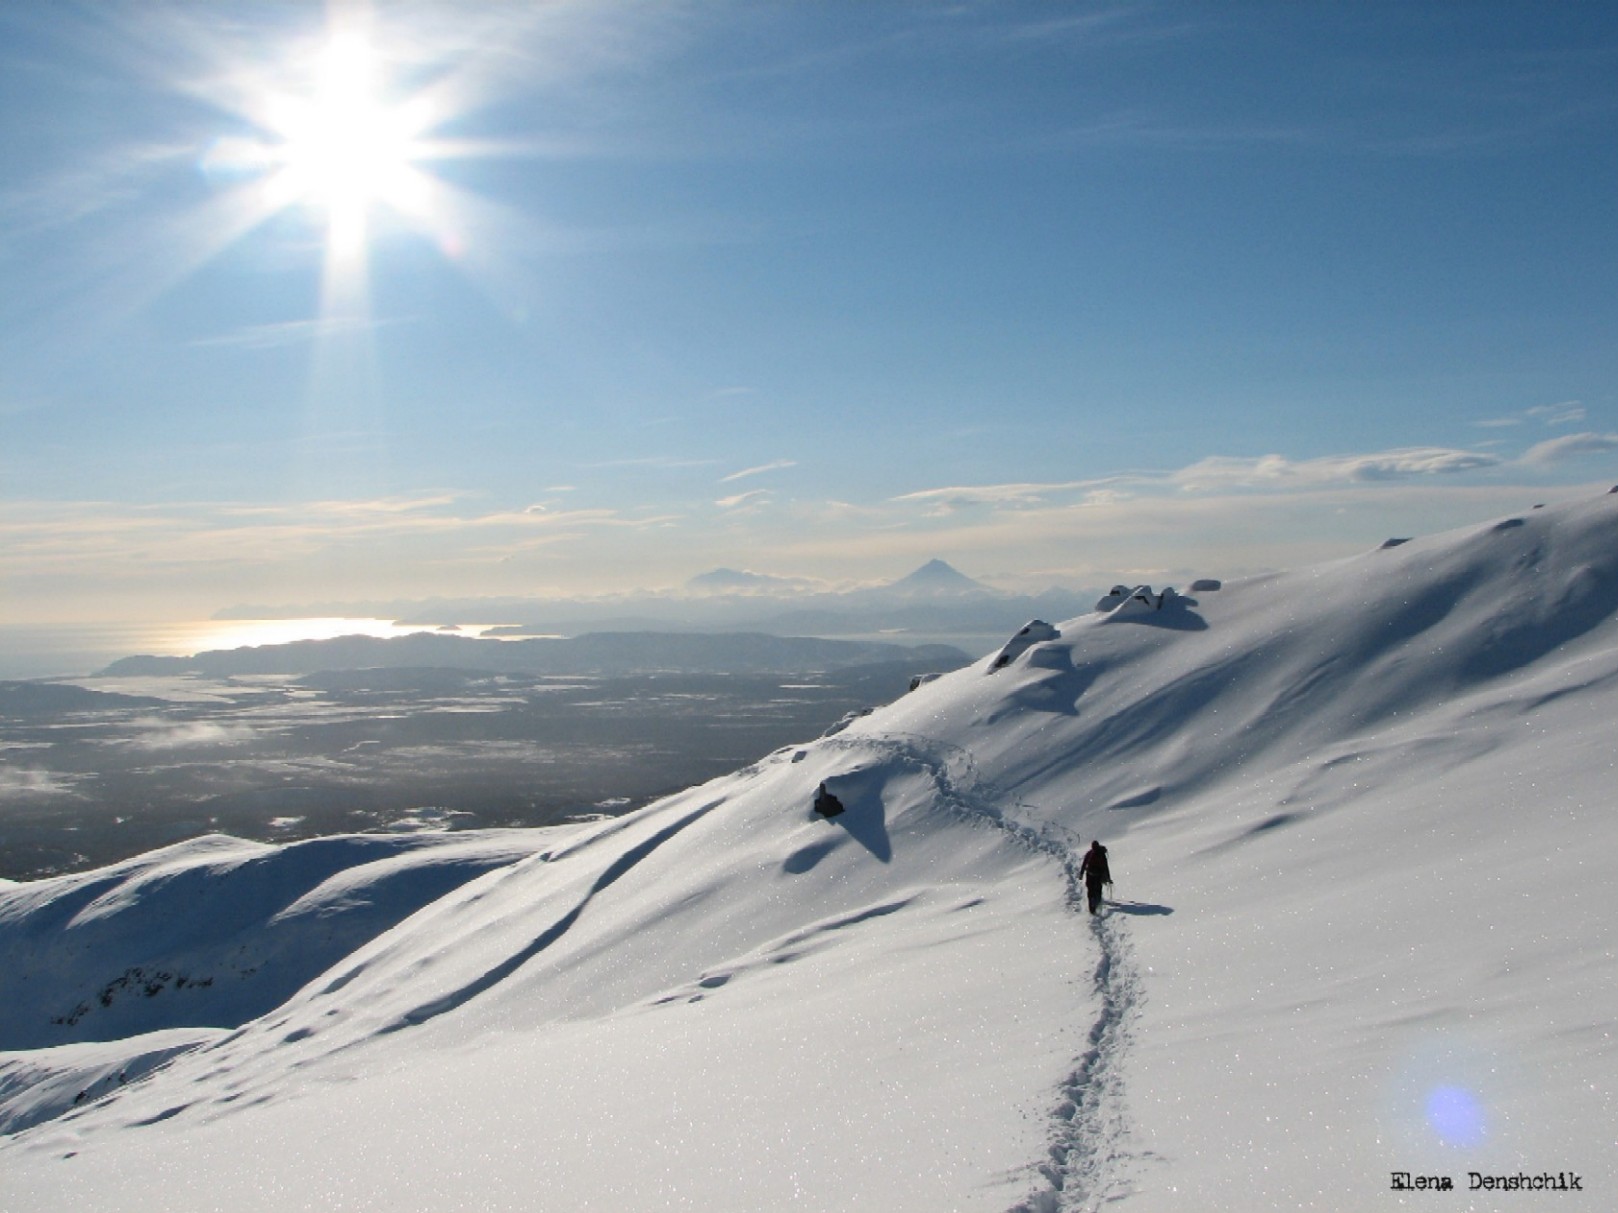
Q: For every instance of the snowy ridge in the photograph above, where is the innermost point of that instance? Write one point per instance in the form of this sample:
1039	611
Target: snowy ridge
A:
726	1001
1166	702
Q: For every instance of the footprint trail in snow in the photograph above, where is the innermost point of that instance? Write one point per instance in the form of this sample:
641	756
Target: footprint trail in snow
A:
1089	1150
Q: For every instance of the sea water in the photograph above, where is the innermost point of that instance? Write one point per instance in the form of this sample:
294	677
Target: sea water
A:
79	649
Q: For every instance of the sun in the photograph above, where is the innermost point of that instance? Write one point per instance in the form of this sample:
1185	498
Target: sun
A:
343	129
342	149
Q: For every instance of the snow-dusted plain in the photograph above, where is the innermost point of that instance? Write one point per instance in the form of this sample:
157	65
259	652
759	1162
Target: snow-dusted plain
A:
1361	819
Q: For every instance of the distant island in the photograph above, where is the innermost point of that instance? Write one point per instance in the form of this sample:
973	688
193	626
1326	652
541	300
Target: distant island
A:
595	653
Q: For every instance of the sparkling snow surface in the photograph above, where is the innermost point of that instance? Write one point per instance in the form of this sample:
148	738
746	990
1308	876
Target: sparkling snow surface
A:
1361	820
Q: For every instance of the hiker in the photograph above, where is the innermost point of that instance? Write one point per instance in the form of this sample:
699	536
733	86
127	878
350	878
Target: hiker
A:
1095	872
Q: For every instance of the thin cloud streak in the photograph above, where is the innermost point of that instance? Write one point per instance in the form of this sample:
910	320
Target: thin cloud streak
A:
98	537
1569	412
962	497
774	466
292	333
1214	474
752	500
1274	470
118	176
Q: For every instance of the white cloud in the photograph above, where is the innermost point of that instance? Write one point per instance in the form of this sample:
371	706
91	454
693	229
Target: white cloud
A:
1106	497
1568	412
1555	450
1276	471
1007	496
1213	474
201	542
1428	462
745	501
760	469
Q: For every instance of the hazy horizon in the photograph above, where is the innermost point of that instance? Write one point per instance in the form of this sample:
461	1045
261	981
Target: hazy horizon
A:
964	612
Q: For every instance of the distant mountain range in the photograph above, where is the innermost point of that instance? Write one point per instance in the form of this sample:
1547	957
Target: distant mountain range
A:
935	602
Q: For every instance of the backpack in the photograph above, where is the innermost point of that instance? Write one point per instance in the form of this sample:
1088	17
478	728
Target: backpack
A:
1095	864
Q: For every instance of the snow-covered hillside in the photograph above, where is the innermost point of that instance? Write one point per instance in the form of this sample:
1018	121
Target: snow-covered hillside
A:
1361	823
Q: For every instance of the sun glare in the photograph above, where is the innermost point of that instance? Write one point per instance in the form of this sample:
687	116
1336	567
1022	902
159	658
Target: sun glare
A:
345	150
345	128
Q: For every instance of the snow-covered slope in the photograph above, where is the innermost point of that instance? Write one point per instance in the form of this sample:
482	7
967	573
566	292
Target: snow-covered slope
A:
215	931
1361	820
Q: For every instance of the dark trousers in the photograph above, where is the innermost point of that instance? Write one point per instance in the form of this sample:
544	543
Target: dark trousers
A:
1093	888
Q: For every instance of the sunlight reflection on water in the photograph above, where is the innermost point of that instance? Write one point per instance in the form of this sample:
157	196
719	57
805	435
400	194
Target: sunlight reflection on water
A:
187	639
80	649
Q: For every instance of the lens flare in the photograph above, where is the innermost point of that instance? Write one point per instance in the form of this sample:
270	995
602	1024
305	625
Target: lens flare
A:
1455	1114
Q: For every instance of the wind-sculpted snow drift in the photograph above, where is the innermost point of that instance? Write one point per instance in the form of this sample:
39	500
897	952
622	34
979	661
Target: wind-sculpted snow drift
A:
1361	822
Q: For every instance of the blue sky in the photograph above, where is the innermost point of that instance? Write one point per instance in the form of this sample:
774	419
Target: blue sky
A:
585	297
